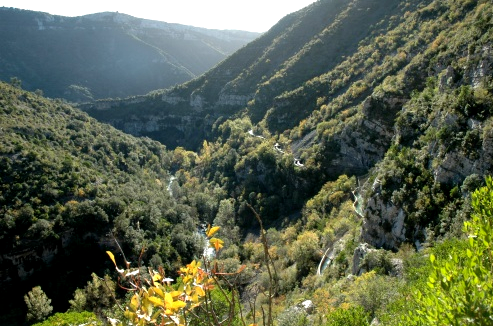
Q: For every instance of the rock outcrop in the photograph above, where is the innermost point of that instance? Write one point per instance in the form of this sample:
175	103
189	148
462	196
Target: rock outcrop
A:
459	144
366	259
32	256
384	225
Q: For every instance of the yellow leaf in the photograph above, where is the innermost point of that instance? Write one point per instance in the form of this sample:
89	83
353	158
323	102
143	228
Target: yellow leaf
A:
211	231
178	305
156	301
200	291
112	257
168	299
147	306
158	291
175	294
131	315
188	289
195	298
156	278
216	243
134	302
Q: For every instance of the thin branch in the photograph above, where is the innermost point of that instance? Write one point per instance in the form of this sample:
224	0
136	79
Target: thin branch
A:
268	261
241	309
127	263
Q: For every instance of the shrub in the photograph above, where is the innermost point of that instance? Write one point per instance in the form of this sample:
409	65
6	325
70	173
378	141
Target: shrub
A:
353	316
460	286
96	295
374	292
71	318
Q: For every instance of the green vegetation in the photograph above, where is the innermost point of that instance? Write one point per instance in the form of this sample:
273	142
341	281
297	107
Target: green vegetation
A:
67	182
38	304
397	124
70	319
460	287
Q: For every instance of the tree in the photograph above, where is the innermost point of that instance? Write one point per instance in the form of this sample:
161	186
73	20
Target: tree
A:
225	218
38	305
97	295
305	251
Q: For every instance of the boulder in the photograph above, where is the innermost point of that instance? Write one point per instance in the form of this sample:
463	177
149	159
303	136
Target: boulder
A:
308	306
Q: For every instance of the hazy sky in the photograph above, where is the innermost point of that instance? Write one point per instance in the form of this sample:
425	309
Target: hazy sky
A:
251	15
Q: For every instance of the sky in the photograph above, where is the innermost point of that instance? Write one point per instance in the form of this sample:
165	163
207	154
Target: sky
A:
247	15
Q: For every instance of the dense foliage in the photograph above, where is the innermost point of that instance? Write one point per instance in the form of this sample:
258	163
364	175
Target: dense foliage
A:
330	208
70	184
460	289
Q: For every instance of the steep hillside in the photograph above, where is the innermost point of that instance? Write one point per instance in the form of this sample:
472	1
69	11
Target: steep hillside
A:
106	54
356	130
335	105
301	46
69	186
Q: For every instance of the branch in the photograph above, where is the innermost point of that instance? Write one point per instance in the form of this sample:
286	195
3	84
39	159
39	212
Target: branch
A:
268	261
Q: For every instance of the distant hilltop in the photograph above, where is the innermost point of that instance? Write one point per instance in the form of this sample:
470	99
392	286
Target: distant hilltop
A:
106	55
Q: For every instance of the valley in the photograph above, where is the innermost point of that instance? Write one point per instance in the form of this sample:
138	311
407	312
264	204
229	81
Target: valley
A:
341	161
106	55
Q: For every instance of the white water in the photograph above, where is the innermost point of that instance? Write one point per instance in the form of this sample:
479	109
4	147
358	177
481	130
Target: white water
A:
171	179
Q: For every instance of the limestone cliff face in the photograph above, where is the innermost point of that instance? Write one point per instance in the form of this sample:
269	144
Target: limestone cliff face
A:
454	166
33	256
25	262
364	143
449	142
383	225
171	118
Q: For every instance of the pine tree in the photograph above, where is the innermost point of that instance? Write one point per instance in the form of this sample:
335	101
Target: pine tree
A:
38	305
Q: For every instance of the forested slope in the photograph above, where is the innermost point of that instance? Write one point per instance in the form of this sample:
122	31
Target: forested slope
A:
303	45
71	185
329	82
360	164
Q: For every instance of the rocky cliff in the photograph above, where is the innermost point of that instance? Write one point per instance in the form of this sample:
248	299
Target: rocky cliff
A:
447	131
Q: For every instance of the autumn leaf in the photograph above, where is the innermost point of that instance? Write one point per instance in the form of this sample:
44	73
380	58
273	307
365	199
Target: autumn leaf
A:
241	269
211	231
134	302
156	278
175	294
199	290
178	305
216	243
156	301
112	257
